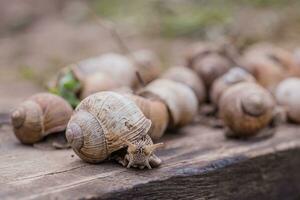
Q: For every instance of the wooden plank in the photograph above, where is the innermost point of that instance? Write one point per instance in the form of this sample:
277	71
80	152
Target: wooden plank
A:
199	162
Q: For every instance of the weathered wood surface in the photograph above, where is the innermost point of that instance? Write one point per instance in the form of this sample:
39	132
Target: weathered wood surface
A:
199	163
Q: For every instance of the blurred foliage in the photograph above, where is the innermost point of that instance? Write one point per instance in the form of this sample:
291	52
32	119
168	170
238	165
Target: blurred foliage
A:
67	87
172	18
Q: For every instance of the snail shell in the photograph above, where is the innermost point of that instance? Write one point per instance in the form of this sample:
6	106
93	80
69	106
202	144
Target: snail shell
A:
147	63
211	67
96	83
288	94
181	101
233	76
154	110
115	66
246	108
102	122
198	51
269	64
40	115
188	77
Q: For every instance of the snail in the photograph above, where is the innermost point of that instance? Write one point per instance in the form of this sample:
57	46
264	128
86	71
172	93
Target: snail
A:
246	108
269	64
147	64
287	95
211	67
180	100
198	51
39	116
106	122
188	77
156	111
97	82
233	76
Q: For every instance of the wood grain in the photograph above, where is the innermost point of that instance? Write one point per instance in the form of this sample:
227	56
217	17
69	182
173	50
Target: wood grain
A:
199	163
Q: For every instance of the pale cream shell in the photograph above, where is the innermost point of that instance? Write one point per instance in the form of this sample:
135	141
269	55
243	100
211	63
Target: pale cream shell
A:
288	95
117	67
179	98
188	77
101	122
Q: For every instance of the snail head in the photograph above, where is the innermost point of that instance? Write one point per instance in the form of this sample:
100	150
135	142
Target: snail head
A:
138	155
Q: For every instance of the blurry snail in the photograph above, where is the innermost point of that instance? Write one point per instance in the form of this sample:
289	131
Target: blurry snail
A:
188	77
296	57
180	100
198	51
233	76
269	64
246	109
95	83
115	66
147	64
106	122
211	67
156	111
287	95
40	115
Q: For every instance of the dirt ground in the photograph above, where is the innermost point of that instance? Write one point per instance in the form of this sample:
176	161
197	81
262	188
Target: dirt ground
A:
37	37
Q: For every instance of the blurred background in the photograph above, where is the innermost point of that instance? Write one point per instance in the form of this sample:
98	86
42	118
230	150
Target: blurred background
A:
38	37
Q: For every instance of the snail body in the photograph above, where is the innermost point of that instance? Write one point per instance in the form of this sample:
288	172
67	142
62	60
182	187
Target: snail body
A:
188	77
180	100
156	111
233	76
287	95
39	116
106	122
246	108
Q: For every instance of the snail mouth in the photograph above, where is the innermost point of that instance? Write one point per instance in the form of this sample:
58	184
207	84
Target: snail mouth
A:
253	105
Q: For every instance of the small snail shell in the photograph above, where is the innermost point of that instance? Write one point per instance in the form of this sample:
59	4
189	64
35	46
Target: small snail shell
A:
269	64
211	67
96	83
147	63
188	77
246	108
233	76
119	68
154	110
288	95
198	51
102	122
181	101
40	115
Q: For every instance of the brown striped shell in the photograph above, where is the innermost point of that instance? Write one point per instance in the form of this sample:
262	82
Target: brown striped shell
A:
233	76
156	111
188	77
40	115
181	101
102	122
246	108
